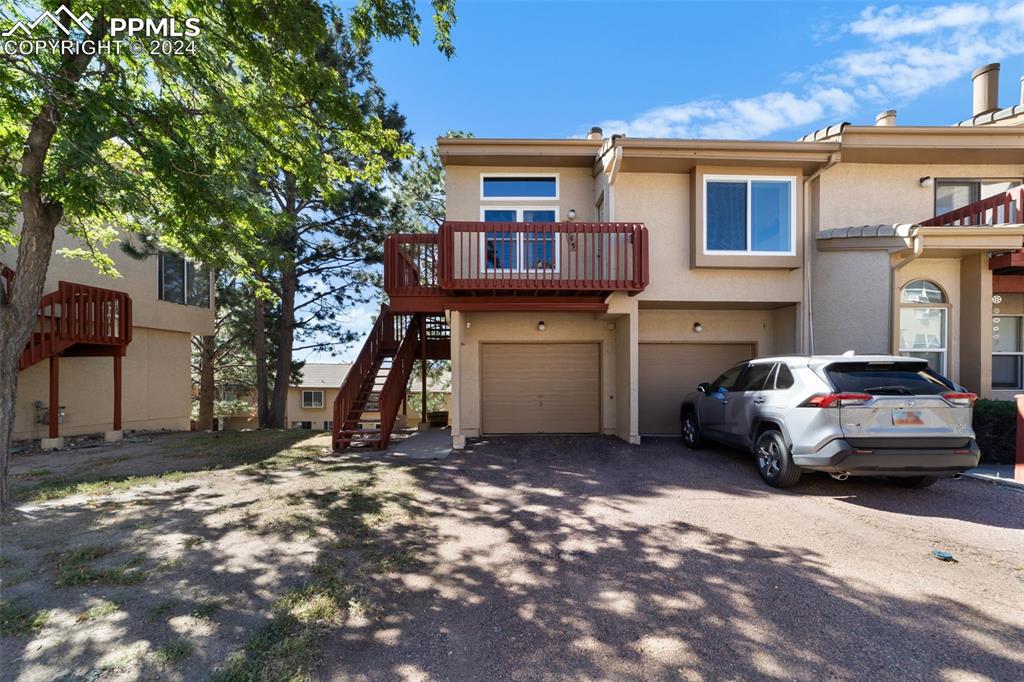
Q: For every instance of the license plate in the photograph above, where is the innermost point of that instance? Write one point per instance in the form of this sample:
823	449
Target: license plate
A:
907	418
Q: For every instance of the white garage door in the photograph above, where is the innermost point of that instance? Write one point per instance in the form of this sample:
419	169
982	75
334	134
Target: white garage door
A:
540	387
668	371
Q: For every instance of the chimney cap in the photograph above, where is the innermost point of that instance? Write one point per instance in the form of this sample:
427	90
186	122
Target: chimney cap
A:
597	129
886	118
994	66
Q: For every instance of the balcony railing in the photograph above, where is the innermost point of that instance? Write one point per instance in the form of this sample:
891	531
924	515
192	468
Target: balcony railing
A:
1002	209
467	257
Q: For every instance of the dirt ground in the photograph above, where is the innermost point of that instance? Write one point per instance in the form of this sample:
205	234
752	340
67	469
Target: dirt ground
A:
526	558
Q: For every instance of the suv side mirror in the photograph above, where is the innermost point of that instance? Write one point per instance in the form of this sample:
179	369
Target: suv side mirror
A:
703	387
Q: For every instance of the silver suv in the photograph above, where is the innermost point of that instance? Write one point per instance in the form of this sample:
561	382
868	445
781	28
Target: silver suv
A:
848	415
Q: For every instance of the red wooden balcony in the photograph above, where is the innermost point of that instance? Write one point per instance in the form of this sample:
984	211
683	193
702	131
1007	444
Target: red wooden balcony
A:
1001	209
1006	208
548	261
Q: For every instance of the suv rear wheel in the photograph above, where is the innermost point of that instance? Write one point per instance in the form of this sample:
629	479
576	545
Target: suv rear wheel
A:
691	431
773	461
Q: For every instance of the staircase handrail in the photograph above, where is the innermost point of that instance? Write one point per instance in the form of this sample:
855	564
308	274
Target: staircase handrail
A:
364	364
394	388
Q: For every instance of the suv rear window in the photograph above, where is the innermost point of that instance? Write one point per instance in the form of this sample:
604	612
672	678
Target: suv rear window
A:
886	378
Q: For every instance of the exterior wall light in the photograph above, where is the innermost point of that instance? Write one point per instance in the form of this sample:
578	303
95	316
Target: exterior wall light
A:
540	326
927	181
571	215
697	327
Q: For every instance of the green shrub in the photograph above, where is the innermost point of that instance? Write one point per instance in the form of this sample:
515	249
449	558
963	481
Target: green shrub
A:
995	425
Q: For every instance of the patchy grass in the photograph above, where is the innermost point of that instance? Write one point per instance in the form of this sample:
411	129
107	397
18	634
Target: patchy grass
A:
163	610
16	619
250	447
174	651
206	608
100	610
95	485
192	542
74	568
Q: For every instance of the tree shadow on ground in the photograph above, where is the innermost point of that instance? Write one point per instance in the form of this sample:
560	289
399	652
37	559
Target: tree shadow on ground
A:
539	567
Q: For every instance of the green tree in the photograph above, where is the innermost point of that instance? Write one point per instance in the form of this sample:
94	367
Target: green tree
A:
94	144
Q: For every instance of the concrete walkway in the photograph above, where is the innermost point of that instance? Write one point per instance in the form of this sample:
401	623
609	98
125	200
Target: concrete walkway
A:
996	473
431	444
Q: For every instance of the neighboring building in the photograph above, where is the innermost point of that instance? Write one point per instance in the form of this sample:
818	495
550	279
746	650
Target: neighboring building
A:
311	400
114	353
586	285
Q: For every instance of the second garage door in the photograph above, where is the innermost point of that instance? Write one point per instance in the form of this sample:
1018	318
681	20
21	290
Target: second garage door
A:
540	387
668	371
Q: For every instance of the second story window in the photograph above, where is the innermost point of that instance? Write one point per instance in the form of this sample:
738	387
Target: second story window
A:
749	215
312	399
953	194
499	186
184	282
515	251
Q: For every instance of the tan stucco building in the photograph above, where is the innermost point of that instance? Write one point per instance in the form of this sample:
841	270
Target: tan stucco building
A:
167	301
588	284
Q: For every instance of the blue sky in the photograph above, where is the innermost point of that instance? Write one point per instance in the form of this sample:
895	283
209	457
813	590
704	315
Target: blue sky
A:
764	70
758	70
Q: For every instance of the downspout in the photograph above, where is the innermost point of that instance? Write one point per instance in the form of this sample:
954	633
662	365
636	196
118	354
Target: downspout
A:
916	248
613	173
833	159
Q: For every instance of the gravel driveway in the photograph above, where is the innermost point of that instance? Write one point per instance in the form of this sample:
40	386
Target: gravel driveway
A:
589	558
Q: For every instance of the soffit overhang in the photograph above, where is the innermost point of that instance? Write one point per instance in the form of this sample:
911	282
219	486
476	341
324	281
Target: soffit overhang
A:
517	152
932	144
682	156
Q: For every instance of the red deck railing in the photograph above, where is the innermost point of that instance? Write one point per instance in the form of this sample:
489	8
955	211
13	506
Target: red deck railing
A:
518	257
78	314
1002	209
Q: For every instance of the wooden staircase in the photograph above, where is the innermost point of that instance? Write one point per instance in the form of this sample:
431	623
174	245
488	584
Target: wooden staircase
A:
378	380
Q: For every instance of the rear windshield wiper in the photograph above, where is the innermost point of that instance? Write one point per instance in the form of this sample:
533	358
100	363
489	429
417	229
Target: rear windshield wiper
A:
898	390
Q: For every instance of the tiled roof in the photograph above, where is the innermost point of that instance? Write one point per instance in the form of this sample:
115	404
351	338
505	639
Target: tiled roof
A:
866	231
993	116
332	374
323	374
828	133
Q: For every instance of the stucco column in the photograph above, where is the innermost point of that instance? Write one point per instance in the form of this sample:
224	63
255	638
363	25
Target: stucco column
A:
975	338
456	325
625	311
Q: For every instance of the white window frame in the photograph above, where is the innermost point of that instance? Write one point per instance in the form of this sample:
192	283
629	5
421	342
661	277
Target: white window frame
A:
312	403
519	235
748	179
328	425
558	186
944	350
1020	353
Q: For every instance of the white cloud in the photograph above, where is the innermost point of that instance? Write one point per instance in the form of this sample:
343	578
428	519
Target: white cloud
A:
897	21
941	44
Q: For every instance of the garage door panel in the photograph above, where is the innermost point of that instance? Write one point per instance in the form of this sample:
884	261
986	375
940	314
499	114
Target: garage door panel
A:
668	371
541	388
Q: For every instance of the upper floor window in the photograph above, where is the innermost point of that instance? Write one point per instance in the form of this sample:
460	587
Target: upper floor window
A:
313	399
519	186
953	194
749	215
184	282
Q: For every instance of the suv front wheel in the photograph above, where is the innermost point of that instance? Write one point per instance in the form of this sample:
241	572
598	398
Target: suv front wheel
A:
774	462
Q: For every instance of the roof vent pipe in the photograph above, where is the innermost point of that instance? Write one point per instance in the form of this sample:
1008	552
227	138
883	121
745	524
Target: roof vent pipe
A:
595	133
986	89
1022	91
886	118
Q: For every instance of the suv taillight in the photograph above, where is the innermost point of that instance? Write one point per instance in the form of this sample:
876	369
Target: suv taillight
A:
960	399
836	400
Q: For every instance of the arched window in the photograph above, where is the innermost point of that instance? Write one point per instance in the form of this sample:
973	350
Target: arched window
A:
924	323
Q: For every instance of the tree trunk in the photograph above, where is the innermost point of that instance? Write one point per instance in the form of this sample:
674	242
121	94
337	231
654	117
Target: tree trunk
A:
208	348
285	342
259	347
18	312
